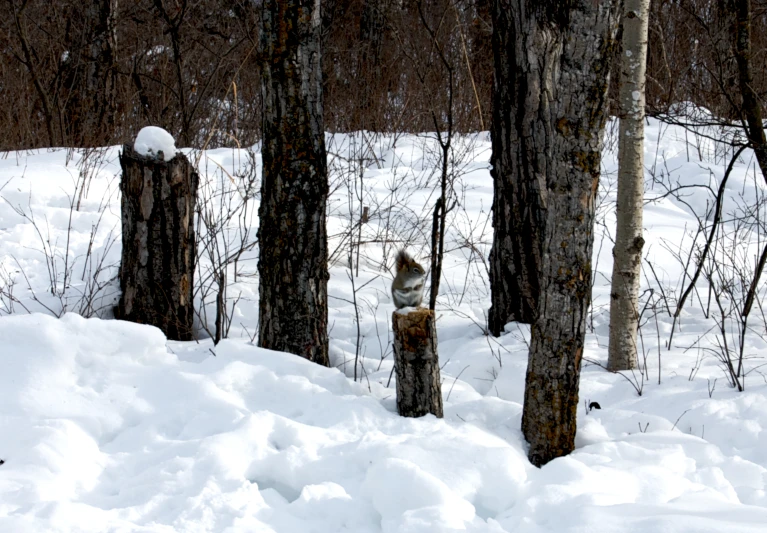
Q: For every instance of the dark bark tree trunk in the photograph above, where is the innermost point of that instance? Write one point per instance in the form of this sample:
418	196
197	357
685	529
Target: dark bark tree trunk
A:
751	105
372	26
752	113
157	269
174	15
27	57
558	63
91	76
419	391
519	161
293	260
102	73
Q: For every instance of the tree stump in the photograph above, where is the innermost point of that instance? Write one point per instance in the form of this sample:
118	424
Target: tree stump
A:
158	254
419	391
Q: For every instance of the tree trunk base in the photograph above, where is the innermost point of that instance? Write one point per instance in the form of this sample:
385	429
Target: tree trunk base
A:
419	388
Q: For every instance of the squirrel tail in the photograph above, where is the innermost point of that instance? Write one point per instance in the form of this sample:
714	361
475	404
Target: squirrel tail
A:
403	258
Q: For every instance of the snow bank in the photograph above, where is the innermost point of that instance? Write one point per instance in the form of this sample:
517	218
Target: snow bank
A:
106	429
152	140
105	426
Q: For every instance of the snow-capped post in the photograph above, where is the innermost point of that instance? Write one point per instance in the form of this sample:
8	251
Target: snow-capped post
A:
419	390
159	193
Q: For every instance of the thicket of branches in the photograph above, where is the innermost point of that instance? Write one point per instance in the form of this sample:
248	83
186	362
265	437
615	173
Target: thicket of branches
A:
690	55
93	73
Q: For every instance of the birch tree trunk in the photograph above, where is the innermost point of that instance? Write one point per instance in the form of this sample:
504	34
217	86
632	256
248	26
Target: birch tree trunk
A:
293	260
559	64
627	252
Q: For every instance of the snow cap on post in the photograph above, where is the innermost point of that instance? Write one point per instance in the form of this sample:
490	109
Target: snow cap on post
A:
156	143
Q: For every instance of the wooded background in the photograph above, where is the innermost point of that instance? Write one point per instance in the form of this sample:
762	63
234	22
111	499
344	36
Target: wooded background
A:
78	73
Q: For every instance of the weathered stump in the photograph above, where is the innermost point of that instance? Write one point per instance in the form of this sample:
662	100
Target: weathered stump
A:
158	254
419	391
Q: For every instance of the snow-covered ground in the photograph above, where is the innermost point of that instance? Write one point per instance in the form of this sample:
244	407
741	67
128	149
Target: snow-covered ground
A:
105	426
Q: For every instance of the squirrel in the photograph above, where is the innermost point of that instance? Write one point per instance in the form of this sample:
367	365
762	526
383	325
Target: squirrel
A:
407	287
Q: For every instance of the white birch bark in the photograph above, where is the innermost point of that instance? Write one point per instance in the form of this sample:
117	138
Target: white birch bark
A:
627	252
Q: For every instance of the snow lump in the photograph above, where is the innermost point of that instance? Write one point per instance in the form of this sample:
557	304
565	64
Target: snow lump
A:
152	140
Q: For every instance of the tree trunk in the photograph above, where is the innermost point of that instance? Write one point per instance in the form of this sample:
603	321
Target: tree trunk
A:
28	58
752	111
158	253
90	76
519	161
419	391
751	105
293	260
627	252
372	26
101	78
559	141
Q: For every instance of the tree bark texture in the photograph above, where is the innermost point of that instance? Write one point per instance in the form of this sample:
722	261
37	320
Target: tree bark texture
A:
91	75
372	27
102	71
751	106
520	159
566	48
293	260
752	110
627	252
158	253
419	391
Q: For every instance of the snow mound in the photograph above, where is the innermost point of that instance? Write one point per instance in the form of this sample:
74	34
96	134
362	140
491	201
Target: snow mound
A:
104	428
152	140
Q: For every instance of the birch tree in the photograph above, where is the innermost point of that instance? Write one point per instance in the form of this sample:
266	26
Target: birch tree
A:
292	237
553	60
627	252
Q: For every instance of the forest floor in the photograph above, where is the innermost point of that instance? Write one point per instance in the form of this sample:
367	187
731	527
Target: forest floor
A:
107	427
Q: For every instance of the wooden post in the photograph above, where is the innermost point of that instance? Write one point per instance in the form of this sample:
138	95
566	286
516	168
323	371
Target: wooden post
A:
419	391
158	255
